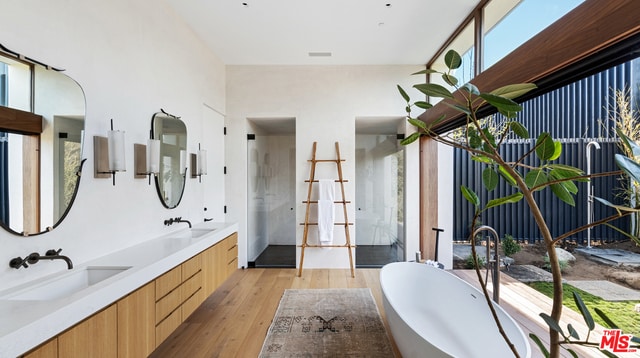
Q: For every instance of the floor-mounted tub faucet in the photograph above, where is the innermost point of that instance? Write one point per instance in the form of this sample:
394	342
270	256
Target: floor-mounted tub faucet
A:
35	258
493	263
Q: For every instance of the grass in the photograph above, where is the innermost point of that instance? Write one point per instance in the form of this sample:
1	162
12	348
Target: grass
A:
622	313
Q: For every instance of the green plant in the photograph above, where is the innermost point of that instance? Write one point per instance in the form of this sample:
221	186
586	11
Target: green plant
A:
470	263
564	264
483	141
509	245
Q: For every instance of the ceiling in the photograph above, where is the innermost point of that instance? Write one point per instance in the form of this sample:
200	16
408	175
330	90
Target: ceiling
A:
353	32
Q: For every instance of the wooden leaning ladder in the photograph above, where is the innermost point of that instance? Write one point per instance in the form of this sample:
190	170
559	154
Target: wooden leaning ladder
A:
338	161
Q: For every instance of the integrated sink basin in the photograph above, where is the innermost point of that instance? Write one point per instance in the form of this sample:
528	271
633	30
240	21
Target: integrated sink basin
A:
65	284
195	233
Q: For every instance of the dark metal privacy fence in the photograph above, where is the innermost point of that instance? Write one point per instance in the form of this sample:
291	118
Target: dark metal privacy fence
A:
516	220
574	114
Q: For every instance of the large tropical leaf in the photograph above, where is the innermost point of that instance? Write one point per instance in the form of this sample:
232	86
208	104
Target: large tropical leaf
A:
588	319
410	139
557	151
470	195
471	88
506	176
511	199
563	194
501	103
428	71
418	123
450	79
629	166
489	178
434	90
452	59
514	90
520	130
545	147
423	104
403	93
535	177
553	324
540	345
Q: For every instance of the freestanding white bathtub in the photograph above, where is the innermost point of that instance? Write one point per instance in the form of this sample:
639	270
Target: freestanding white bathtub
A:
433	313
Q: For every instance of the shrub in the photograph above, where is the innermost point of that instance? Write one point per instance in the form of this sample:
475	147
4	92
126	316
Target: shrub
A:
509	245
564	264
470	263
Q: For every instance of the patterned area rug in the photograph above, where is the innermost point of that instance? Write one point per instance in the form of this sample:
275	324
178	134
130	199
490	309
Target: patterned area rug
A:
327	323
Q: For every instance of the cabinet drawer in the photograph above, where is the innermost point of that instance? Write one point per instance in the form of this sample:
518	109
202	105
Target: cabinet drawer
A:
166	327
192	303
231	241
232	253
192	285
168	304
231	267
168	281
191	266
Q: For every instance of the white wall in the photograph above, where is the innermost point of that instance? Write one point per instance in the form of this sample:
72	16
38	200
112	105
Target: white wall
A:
325	100
132	58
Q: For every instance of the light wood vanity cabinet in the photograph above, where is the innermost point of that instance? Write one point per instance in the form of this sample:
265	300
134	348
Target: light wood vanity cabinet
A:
139	322
178	293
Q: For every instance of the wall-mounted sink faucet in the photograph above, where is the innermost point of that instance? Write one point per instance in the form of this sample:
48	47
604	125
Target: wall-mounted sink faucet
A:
176	220
35	257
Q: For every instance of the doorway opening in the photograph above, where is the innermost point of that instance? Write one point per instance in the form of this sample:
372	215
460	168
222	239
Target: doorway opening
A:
271	151
379	192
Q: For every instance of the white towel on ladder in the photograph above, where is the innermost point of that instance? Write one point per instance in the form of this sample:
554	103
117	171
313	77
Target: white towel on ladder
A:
326	211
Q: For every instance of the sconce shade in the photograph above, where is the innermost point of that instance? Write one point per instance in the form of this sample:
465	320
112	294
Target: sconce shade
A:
202	162
116	151
153	156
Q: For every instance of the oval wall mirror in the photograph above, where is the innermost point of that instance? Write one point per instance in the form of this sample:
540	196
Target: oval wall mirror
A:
42	114
172	133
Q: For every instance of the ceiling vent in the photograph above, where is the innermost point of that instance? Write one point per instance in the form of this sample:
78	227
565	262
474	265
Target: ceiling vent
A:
319	54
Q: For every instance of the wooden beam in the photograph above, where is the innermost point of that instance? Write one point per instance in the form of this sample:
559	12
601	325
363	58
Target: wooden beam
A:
428	196
585	31
20	122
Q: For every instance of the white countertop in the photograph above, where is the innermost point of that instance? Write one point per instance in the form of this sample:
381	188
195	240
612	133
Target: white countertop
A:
26	324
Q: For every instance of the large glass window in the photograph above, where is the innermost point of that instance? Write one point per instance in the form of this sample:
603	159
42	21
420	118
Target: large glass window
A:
524	19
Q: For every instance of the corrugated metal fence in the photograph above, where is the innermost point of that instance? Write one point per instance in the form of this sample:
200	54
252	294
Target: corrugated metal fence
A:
577	111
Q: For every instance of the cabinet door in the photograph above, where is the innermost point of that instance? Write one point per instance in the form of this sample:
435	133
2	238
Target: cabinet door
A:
137	323
95	337
47	350
210	279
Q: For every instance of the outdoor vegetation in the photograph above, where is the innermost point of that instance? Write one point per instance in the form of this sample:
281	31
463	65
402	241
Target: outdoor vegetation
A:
617	312
483	142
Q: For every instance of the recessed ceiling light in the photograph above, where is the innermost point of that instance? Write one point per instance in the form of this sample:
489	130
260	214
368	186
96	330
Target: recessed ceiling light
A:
319	54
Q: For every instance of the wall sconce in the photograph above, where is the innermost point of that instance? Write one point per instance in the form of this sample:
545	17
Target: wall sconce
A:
108	154
147	159
199	164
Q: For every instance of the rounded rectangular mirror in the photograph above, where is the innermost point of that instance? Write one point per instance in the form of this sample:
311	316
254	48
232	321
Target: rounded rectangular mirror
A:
41	155
172	133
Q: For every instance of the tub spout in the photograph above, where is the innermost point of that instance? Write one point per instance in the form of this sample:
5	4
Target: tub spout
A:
493	263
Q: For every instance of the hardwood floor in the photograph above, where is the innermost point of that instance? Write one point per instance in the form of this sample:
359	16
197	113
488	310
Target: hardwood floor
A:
234	320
